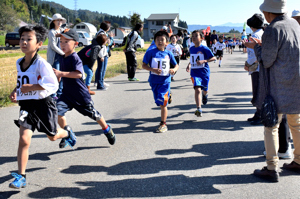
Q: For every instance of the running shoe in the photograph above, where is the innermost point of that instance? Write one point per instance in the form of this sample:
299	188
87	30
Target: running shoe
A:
19	182
198	112
110	136
204	99
133	79
162	129
70	140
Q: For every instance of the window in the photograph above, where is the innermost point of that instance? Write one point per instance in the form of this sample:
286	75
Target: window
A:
78	27
80	35
82	27
159	23
152	22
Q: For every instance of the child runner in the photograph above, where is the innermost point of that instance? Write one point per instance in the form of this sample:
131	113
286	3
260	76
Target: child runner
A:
200	72
35	83
230	45
89	55
158	61
214	49
174	48
75	93
220	46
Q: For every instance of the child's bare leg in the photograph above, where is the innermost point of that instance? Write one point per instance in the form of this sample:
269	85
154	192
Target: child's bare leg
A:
204	92
198	96
164	113
102	123
24	143
61	133
62	121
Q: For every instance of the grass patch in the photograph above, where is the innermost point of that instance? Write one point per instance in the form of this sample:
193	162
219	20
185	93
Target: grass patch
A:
2	40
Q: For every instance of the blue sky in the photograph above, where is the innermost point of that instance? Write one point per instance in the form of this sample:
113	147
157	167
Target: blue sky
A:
209	12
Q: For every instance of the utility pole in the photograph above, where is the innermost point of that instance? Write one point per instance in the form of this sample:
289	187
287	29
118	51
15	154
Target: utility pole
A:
76	14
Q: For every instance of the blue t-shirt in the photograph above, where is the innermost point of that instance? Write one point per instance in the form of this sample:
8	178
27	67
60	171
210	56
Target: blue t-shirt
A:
152	46
74	89
162	59
230	42
201	53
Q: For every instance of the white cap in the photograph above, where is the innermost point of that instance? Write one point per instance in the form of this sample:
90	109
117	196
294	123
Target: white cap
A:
296	13
58	16
164	28
274	6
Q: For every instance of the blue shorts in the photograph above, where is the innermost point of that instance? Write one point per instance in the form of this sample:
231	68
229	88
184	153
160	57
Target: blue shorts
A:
161	93
64	105
201	82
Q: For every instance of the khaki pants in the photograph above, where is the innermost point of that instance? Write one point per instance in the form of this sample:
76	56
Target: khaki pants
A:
272	144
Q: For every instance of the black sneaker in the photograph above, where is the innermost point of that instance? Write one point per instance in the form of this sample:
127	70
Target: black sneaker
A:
270	175
219	65
204	99
70	140
110	136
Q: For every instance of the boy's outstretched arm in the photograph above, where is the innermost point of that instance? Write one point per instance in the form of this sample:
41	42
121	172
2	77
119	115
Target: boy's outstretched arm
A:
31	87
13	96
173	70
72	74
188	67
148	68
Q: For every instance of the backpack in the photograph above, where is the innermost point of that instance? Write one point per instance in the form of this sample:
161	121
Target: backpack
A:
89	54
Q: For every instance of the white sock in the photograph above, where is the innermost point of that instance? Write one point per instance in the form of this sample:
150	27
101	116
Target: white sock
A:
220	62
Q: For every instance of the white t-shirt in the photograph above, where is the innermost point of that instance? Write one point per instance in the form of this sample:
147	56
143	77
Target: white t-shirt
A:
175	49
220	46
40	72
213	47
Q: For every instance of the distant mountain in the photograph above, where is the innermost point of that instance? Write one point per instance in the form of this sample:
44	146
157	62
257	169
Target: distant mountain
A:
232	24
221	29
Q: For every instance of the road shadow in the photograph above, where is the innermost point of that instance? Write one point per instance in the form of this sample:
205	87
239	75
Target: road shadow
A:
213	154
46	156
163	186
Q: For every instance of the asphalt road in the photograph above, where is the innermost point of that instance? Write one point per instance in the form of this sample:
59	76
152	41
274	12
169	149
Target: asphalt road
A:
208	157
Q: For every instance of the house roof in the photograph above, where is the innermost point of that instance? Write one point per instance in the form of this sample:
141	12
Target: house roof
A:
169	16
91	27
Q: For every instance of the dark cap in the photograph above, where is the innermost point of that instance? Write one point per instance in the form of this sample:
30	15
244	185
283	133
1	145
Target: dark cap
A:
69	34
256	21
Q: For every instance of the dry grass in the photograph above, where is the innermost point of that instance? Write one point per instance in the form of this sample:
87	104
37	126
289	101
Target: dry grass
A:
8	76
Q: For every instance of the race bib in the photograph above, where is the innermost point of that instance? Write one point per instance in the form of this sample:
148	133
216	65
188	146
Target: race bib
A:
194	58
163	64
26	78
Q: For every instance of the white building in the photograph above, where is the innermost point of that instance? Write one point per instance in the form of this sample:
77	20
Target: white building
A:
121	32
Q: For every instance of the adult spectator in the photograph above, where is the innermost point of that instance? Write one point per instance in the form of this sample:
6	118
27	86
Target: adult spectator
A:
54	52
279	53
130	49
214	36
207	39
102	65
296	15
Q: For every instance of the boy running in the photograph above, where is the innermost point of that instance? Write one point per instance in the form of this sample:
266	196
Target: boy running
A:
36	81
158	61
220	46
75	93
199	68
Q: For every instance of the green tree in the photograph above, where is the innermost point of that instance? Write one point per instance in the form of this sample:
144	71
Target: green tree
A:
234	31
46	22
134	19
77	21
115	26
8	18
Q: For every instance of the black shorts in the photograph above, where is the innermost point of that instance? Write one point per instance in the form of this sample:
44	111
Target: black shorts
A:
233	46
240	46
38	114
219	53
177	58
230	47
64	105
